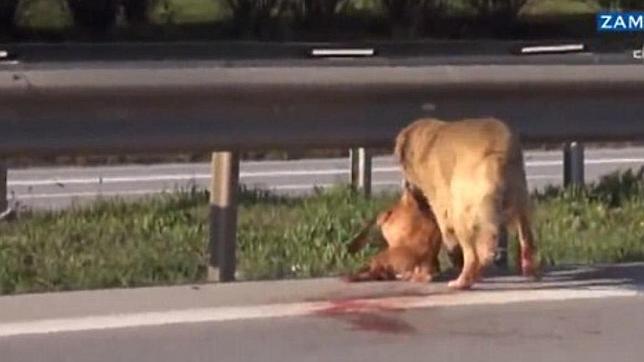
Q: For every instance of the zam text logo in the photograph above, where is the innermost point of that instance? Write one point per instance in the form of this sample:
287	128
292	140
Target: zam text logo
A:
620	22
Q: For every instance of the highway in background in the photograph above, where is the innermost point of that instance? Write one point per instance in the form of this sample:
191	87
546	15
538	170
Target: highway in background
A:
57	187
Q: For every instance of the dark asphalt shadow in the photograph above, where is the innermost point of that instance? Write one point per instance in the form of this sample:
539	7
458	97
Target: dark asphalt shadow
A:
567	277
498	279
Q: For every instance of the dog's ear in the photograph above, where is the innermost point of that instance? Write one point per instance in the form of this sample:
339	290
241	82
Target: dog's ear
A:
413	194
409	198
383	216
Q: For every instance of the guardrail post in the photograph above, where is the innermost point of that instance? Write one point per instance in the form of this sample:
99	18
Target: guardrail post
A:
223	216
3	187
361	170
573	160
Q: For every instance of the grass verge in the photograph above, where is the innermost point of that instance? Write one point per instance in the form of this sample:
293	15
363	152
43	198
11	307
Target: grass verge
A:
162	239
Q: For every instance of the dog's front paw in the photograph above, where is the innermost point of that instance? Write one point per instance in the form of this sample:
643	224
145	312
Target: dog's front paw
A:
460	284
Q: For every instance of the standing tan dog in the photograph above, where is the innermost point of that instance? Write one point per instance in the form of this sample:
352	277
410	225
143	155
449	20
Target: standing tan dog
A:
472	173
413	242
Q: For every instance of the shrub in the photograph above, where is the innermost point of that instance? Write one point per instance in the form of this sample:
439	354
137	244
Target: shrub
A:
7	15
253	17
95	16
136	11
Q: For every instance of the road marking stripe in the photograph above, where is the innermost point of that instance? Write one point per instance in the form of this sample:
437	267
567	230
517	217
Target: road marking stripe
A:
385	183
343	52
183	177
601	161
58	195
529	154
553	48
86	194
179	177
324	185
221	314
62	182
156	191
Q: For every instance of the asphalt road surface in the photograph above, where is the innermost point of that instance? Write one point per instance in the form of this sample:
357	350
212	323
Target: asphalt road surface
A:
574	314
60	187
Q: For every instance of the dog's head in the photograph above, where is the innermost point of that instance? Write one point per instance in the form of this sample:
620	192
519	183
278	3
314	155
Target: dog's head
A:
412	204
417	136
407	220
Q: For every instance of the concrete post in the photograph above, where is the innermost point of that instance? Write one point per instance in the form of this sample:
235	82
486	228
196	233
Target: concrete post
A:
3	187
361	170
573	160
223	216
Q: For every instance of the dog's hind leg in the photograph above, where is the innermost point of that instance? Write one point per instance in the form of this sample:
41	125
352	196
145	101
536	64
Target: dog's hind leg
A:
520	214
519	210
529	267
488	223
470	258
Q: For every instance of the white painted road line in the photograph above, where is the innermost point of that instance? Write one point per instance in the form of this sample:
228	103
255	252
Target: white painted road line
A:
180	177
384	183
221	314
599	161
63	195
62	182
324	185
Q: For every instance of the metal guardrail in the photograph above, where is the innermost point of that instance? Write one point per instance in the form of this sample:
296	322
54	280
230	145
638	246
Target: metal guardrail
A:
157	106
70	108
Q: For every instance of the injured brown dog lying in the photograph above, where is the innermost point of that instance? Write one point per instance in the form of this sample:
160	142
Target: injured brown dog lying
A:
413	242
